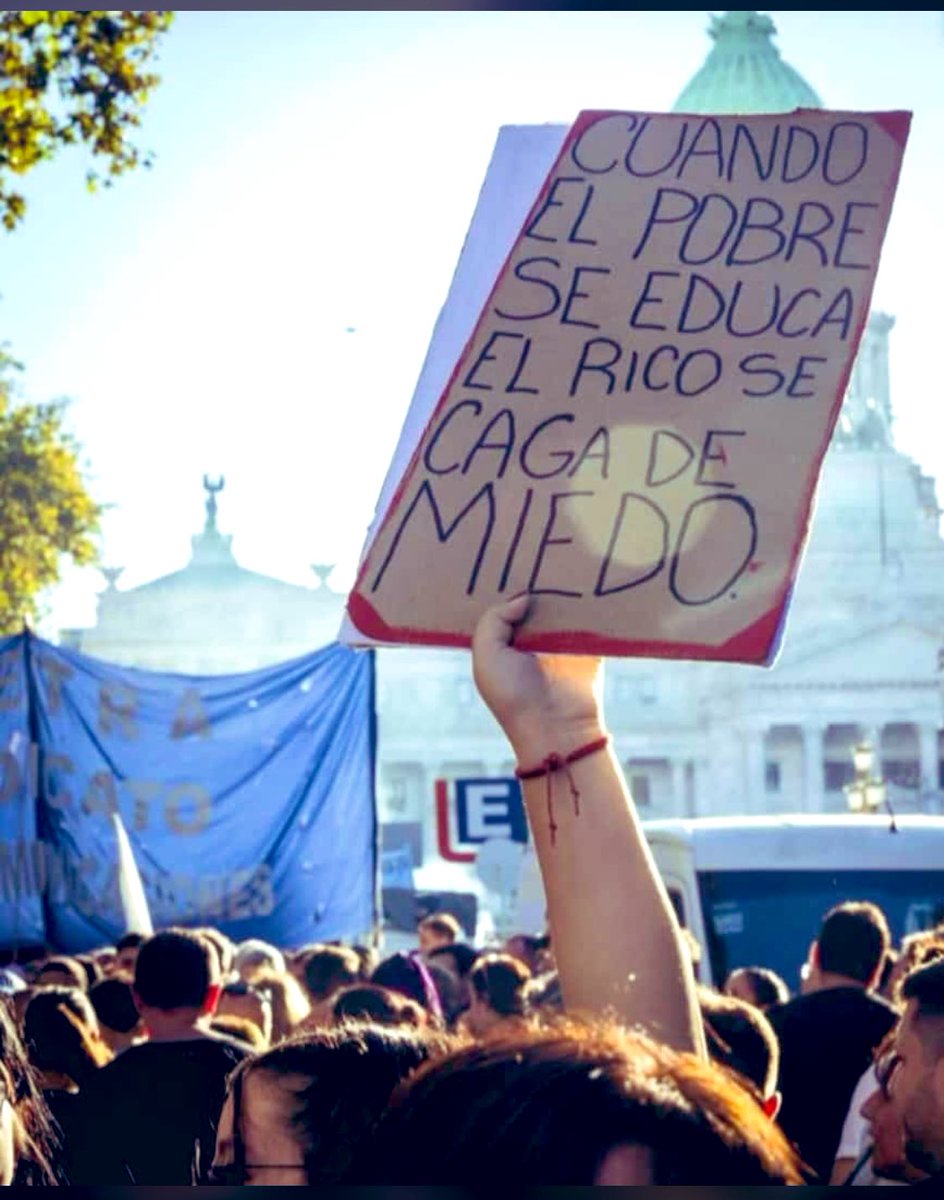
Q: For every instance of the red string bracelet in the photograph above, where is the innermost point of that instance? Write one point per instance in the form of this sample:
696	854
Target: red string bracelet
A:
561	762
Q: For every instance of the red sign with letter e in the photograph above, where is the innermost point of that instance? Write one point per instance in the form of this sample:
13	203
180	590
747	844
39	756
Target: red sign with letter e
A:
635	429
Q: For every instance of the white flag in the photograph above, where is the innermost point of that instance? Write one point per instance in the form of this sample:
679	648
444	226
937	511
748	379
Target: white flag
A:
134	903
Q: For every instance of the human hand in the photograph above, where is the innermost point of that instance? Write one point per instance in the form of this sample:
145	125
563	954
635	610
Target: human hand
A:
544	702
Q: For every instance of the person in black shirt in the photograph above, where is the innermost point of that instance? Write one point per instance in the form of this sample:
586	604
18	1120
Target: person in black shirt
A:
153	1111
827	1036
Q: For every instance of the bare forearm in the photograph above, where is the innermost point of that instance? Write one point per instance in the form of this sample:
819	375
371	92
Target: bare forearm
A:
615	934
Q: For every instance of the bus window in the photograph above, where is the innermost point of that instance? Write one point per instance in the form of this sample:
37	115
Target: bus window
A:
769	918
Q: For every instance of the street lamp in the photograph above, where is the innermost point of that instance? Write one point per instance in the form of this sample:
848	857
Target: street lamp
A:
868	792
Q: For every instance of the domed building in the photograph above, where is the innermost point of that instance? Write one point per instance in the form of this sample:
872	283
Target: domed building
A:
860	659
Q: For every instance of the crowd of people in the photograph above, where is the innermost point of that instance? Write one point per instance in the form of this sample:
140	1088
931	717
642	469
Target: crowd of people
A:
590	1054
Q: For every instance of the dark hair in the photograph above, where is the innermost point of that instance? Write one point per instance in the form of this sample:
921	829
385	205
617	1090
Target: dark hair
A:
545	1106
241	1029
442	923
329	968
114	1005
503	982
853	940
130	941
349	1072
461	953
92	969
741	1038
66	966
369	958
768	987
58	1028
411	977
174	969
36	1158
925	986
377	1005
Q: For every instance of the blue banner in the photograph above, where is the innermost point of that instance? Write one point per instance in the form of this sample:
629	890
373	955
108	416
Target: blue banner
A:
248	799
22	862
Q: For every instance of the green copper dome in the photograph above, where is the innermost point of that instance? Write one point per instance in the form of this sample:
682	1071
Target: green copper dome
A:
744	72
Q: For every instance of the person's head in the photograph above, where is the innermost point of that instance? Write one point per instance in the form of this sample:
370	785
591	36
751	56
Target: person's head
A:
253	957
576	1103
92	969
450	967
457	958
118	1016
741	1038
247	1003
61	972
327	970
175	980
30	1124
438	929
499	987
107	959
287	1000
409	975
917	1083
366	1002
62	1035
533	950
369	959
850	948
302	1112
126	952
888	1160
916	950
239	1029
224	948
758	986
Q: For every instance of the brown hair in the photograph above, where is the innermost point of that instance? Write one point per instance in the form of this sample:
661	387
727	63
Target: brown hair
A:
242	1029
348	1074
65	966
329	968
35	1135
287	998
741	1038
503	982
544	1106
60	1030
379	1006
442	923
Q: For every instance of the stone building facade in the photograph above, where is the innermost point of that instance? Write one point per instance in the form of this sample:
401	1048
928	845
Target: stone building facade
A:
860	658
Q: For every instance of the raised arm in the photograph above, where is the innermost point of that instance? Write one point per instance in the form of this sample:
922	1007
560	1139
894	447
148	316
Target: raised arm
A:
615	935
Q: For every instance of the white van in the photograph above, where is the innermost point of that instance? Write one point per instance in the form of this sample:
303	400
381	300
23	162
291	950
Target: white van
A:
753	890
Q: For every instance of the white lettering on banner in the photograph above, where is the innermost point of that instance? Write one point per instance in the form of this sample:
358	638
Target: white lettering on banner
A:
30	869
484	802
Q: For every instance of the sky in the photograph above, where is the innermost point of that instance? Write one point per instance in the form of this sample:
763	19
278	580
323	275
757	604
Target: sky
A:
258	305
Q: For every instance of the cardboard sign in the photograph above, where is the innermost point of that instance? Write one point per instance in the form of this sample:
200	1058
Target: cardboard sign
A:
635	428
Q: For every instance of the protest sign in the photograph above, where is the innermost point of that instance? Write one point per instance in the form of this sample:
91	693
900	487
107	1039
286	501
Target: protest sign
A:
635	427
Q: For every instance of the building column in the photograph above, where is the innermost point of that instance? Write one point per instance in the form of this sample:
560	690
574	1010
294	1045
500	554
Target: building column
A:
927	738
813	767
679	790
756	772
